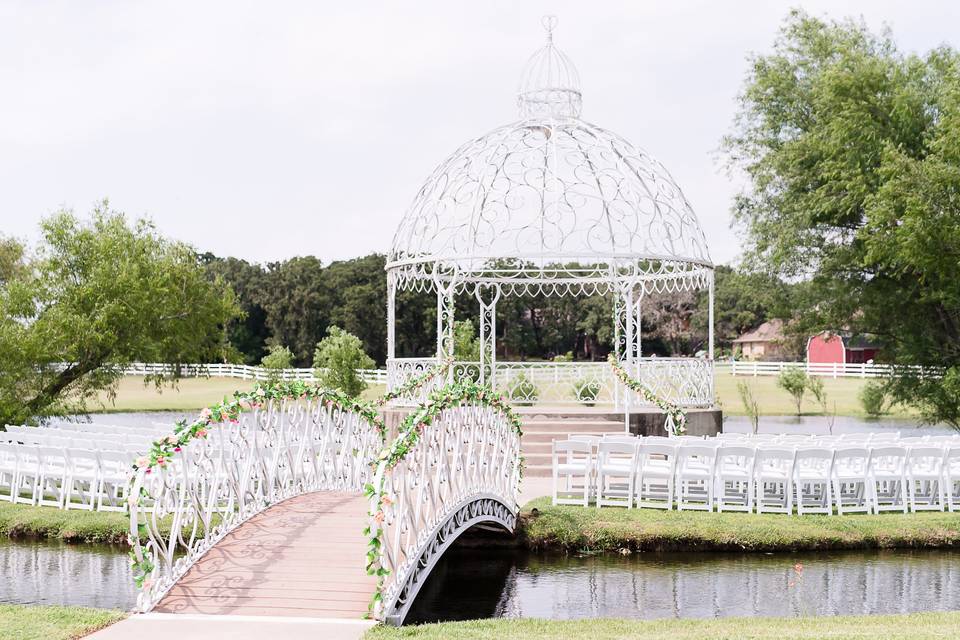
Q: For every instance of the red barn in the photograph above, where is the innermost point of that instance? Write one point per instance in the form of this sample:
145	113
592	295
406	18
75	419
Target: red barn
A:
829	347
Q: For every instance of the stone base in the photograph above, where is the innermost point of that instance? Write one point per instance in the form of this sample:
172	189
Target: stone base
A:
700	422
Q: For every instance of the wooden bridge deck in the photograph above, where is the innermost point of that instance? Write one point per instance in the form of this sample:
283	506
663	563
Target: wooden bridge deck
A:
304	557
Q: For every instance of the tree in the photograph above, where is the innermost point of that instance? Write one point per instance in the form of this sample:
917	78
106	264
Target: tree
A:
750	405
298	302
794	381
278	359
466	345
99	295
852	152
337	358
248	332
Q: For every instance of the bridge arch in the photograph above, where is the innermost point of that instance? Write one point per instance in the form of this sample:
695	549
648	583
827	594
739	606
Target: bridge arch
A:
455	464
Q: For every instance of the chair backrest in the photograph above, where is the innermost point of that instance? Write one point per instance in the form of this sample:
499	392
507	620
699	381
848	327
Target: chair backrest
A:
814	459
888	459
927	459
736	454
621	438
584	438
690	454
620	450
572	446
773	455
659	440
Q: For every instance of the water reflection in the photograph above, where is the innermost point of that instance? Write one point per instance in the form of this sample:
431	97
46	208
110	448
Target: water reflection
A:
476	584
841	424
56	573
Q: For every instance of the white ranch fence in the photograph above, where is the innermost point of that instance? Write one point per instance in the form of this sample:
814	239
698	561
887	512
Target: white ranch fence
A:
242	371
827	370
463	470
284	449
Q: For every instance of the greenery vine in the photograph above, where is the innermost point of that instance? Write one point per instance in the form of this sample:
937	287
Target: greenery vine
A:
409	433
674	412
416	382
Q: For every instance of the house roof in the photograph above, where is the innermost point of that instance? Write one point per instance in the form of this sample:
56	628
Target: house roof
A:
770	331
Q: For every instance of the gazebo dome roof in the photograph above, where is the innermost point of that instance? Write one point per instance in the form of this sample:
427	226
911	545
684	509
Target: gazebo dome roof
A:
551	201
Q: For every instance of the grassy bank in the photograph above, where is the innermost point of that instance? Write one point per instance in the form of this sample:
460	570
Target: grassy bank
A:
609	529
921	626
24	521
52	623
190	394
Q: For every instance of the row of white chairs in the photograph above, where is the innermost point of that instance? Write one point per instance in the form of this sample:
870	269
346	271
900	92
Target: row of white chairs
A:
71	465
761	476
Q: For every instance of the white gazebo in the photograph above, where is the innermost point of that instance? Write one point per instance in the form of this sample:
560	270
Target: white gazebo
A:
552	205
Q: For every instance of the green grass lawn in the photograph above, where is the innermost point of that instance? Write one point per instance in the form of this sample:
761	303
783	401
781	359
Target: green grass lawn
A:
23	520
19	622
196	393
918	626
610	529
775	401
189	394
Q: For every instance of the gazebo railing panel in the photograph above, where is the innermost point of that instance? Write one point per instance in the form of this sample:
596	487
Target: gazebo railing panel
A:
560	383
687	382
400	371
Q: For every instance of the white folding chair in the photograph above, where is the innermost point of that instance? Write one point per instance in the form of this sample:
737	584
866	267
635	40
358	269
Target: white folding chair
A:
53	476
812	480
925	485
951	477
735	477
888	478
28	474
656	469
696	467
572	459
115	471
83	479
616	473
851	482
773	479
8	471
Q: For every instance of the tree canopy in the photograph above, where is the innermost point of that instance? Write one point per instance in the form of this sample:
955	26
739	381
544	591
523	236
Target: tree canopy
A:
95	296
851	148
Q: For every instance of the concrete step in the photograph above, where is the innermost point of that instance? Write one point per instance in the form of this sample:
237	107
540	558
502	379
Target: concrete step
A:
538	470
573	426
550	436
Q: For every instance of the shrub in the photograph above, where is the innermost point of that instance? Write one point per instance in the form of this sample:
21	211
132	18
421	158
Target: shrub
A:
277	359
586	391
874	398
337	358
466	345
750	405
794	381
564	357
523	391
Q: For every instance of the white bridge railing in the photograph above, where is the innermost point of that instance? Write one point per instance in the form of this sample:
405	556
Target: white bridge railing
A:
219	473
443	474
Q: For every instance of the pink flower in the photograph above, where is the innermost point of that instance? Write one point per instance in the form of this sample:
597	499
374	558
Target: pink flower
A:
386	500
147	583
170	440
160	460
201	433
379	517
142	461
206	413
176	449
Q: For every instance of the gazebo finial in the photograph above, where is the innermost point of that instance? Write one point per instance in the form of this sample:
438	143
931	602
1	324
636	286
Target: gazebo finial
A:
550	85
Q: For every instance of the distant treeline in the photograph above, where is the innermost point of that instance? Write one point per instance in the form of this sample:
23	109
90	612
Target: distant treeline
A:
293	302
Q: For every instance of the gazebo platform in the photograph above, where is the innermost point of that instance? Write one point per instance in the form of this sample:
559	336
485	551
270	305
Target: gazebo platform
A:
542	424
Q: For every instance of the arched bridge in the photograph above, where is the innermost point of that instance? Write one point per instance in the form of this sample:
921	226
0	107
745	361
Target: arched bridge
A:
289	502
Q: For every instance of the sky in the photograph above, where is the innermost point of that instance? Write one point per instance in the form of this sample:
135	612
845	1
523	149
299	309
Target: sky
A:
269	130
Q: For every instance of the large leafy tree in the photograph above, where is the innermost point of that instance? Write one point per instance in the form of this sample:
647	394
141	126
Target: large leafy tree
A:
248	332
850	150
98	295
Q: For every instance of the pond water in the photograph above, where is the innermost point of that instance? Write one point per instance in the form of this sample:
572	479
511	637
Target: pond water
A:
86	575
841	424
469	583
483	583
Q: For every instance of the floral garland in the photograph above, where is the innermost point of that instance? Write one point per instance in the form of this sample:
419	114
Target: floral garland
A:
416	382
675	414
165	449
413	426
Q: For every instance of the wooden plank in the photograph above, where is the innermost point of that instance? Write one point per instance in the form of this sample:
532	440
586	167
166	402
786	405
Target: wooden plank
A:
302	557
